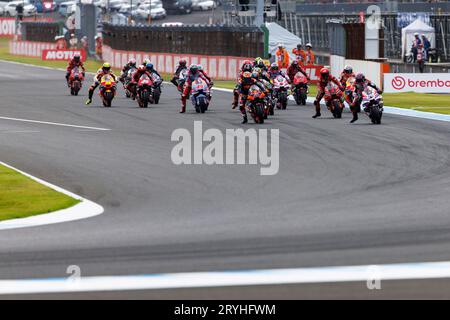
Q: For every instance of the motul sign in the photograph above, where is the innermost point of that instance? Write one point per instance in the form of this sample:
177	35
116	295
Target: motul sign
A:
62	55
7	27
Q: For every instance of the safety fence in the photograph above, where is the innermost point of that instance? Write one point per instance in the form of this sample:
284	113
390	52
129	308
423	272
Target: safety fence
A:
207	40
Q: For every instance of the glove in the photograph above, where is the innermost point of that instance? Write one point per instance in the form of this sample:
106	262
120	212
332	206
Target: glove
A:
380	91
211	83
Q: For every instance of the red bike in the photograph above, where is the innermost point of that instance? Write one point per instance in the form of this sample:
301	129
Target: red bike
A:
76	79
300	88
334	94
255	103
144	91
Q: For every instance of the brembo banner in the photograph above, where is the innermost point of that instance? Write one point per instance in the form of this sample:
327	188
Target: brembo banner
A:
417	82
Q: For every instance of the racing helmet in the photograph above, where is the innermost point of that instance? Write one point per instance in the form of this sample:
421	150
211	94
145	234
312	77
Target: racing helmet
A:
106	67
182	63
200	67
308	45
193	68
360	78
149	66
142	68
76	57
325	73
274	66
348	69
132	62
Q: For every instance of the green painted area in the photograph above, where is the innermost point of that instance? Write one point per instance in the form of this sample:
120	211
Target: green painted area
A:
21	197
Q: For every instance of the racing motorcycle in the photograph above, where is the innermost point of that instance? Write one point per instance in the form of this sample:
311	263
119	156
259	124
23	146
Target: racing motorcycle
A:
270	101
156	90
280	91
349	89
372	104
200	95
75	81
128	79
333	94
255	103
300	88
144	91
107	90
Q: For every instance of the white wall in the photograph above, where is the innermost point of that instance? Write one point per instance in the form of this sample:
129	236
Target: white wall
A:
337	64
372	70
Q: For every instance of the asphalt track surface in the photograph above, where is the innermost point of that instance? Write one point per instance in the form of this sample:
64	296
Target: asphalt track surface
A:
345	194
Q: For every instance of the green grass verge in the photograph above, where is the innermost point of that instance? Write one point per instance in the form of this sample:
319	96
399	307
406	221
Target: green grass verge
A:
438	103
21	197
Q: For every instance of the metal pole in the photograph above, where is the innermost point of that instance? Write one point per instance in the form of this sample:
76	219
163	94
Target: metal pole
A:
259	19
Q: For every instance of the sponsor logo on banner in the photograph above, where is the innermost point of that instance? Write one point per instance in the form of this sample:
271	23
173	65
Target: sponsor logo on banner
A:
7	27
64	55
313	72
417	82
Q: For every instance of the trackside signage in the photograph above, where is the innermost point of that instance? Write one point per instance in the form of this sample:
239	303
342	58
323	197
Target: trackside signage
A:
62	55
417	82
7	27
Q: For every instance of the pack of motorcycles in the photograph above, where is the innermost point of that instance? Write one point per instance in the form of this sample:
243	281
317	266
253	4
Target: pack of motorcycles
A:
259	104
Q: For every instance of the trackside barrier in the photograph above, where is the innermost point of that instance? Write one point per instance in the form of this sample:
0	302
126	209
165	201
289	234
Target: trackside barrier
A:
29	48
218	67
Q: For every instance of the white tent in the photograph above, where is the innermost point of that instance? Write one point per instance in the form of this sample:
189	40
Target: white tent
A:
421	28
278	34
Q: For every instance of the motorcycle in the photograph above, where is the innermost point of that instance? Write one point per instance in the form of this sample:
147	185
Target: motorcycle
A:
372	104
270	101
280	91
349	89
127	81
200	95
333	94
107	90
76	79
144	91
156	92
300	88
255	103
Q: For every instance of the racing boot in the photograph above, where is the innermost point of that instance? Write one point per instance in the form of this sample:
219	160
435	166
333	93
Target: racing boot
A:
91	93
355	117
317	104
244	119
183	104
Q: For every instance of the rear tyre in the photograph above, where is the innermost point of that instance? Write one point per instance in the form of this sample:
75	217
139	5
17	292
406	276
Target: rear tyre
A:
259	114
337	111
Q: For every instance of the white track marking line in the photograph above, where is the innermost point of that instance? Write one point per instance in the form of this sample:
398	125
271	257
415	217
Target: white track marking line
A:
54	124
363	273
85	209
19	131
